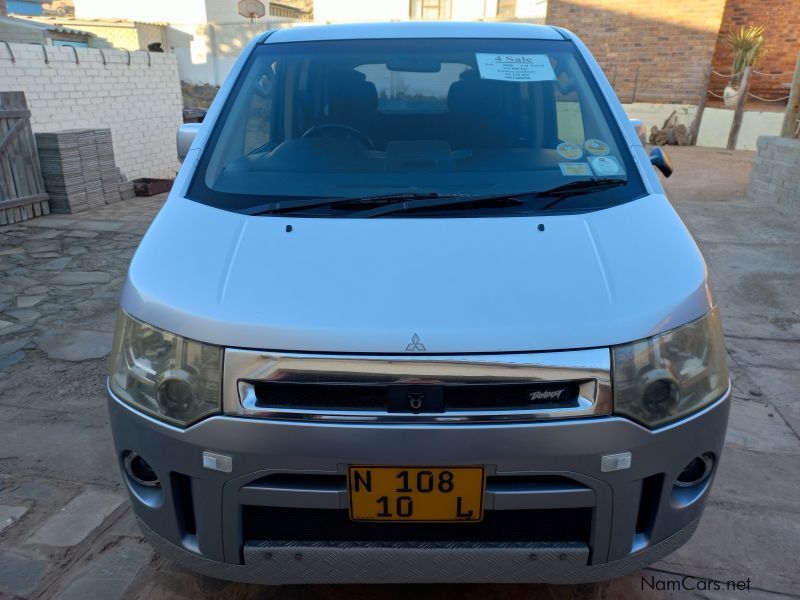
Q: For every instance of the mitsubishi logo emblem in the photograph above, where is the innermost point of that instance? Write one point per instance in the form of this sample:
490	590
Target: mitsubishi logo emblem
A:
415	400
416	344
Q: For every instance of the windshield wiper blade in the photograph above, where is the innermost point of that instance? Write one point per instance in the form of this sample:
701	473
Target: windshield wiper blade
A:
575	188
286	206
443	202
559	193
582	186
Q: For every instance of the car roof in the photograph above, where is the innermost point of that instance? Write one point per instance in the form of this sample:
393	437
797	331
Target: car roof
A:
412	29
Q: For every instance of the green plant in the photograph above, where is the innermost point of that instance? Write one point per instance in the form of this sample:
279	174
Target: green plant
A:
747	43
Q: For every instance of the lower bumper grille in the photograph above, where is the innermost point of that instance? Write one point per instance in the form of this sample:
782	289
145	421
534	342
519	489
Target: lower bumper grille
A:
547	525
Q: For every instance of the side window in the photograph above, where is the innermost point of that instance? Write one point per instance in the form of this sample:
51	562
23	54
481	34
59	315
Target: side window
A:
506	8
257	124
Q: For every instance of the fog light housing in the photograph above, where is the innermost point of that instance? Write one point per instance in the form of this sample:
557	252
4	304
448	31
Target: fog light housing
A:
697	471
139	470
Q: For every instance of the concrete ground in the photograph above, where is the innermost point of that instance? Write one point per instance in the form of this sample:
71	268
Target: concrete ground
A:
65	527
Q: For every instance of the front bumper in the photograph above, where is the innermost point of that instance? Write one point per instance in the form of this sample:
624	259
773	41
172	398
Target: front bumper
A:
196	518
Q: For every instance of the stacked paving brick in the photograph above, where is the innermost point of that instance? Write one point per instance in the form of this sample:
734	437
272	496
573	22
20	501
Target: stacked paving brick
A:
59	157
775	176
90	167
126	191
79	170
109	174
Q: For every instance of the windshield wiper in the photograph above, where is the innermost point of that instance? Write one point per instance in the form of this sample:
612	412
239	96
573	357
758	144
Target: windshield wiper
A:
408	202
574	188
559	193
582	186
285	206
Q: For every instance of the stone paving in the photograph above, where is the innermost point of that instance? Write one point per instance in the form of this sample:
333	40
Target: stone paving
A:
66	530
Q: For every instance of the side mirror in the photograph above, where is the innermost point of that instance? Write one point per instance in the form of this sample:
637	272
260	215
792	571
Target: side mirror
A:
185	137
660	160
640	130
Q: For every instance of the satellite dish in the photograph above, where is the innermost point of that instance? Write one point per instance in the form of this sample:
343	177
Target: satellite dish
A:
254	9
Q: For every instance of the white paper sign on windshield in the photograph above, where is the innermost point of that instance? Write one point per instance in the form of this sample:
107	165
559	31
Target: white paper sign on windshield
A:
515	67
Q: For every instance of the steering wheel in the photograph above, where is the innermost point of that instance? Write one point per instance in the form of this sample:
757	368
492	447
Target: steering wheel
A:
315	130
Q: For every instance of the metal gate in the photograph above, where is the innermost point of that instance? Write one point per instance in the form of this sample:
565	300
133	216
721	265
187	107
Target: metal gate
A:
22	194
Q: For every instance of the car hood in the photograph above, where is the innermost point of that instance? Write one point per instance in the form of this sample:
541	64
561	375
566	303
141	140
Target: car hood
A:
454	285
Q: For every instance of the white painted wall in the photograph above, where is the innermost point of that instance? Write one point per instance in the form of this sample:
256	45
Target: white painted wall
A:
206	35
716	123
469	10
162	11
532	9
360	10
716	126
227	11
398	10
656	114
140	103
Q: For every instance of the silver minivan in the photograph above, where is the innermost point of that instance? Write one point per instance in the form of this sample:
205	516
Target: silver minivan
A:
417	310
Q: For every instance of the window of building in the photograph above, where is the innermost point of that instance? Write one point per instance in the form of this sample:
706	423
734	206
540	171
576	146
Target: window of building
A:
506	8
429	9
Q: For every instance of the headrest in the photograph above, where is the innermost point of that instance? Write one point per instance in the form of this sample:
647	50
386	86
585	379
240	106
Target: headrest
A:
349	93
473	95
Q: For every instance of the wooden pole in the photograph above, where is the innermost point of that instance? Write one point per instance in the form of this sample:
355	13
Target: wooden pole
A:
701	107
738	112
635	84
791	118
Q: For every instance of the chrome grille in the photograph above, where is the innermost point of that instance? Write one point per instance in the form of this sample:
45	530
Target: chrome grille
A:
473	388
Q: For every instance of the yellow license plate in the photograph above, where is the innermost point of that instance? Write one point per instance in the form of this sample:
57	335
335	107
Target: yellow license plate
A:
415	493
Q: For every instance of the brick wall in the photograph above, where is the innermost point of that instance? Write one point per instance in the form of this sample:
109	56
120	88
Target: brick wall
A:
140	103
775	177
670	44
781	19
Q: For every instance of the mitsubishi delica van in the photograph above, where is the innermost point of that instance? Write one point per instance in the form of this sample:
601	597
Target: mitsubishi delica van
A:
417	310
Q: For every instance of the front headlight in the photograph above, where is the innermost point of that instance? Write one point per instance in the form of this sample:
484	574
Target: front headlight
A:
661	379
163	374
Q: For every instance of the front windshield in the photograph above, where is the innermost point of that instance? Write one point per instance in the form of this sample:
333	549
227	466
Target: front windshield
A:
439	117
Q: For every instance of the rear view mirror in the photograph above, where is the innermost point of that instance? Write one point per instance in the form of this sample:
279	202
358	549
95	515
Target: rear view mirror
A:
660	160
185	137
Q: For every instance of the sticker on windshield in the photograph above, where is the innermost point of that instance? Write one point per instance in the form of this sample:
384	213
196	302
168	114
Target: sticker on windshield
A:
596	147
515	67
605	165
569	151
575	169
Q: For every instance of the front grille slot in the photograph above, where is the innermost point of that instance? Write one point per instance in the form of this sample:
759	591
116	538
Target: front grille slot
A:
302	481
276	394
457	397
264	523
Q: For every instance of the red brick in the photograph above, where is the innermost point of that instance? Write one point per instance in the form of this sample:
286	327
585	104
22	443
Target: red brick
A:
672	44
